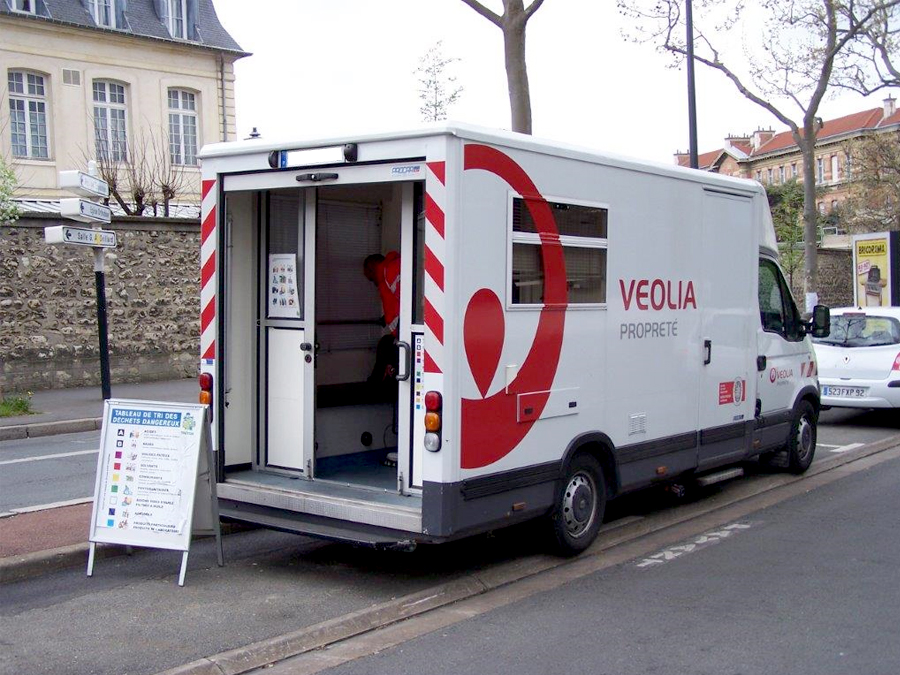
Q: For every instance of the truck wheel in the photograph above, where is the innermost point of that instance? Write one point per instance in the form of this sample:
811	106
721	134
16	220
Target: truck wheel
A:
801	446
578	514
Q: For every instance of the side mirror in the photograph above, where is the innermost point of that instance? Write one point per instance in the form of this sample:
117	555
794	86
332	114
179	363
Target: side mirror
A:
820	324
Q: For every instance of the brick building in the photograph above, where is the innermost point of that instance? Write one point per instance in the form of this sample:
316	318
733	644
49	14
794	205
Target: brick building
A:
773	158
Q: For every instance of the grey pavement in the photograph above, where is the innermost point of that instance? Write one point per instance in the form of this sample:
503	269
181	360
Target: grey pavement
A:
807	587
63	411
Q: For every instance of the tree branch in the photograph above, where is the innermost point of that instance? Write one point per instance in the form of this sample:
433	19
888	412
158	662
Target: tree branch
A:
535	6
495	19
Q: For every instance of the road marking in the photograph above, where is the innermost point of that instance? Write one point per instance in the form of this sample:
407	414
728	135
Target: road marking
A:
44	507
845	448
702	541
56	456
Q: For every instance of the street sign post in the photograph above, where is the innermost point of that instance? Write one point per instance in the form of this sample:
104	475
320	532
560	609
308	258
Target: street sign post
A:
83	184
85	211
80	236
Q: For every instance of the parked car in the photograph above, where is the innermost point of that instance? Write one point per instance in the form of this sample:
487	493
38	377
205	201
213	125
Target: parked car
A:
859	362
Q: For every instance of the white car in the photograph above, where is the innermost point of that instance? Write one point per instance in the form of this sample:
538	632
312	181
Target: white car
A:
859	362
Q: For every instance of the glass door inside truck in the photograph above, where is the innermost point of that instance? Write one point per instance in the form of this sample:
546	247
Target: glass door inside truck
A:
287	335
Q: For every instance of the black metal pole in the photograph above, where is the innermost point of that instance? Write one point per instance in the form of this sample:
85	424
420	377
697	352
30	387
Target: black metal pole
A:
692	99
100	283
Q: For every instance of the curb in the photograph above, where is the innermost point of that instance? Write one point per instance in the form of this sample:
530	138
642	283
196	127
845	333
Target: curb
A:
267	652
28	565
20	567
17	432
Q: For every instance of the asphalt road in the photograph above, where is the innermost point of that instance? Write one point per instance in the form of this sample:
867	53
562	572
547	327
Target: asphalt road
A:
53	469
47	470
132	618
808	586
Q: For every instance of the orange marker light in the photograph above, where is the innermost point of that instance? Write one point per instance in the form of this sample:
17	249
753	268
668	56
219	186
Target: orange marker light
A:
432	421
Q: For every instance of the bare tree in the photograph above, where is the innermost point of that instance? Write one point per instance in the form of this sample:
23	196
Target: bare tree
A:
146	179
437	89
167	178
874	197
512	22
804	46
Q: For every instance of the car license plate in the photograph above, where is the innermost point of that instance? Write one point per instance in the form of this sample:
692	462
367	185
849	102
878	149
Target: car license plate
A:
844	392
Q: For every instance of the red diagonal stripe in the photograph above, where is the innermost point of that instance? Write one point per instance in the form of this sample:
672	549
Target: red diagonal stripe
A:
430	365
434	321
434	214
206	273
206	187
210	352
208	227
437	168
434	267
207	315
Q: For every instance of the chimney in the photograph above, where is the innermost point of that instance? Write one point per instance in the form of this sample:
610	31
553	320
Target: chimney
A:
761	137
890	106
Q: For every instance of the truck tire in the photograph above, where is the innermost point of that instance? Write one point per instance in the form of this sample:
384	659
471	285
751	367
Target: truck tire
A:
578	514
801	445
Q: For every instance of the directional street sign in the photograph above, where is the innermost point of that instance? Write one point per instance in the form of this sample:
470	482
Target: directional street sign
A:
84	211
83	184
81	236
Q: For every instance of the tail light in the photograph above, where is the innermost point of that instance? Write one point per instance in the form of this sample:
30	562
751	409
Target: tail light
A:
206	388
896	365
433	405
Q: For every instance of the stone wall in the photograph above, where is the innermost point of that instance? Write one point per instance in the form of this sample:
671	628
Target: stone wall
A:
48	311
835	279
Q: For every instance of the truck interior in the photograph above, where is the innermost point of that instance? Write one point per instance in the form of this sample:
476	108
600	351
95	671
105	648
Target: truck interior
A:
269	331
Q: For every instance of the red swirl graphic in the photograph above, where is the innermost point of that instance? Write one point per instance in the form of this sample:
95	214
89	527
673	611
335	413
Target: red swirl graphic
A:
489	426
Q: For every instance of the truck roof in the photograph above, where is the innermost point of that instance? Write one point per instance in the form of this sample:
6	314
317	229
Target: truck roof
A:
255	146
259	146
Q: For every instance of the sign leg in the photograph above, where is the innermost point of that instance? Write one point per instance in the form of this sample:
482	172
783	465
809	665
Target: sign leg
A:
90	567
184	557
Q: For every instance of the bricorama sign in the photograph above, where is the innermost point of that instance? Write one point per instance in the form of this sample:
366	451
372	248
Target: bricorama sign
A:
876	269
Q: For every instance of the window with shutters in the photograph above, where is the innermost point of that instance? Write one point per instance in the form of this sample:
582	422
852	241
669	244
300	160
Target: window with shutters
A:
110	121
176	11
583	236
108	13
28	114
182	127
24	6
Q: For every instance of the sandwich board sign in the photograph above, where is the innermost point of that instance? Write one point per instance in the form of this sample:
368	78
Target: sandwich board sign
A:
155	485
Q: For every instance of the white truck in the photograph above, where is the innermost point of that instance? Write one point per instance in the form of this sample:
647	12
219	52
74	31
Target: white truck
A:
573	326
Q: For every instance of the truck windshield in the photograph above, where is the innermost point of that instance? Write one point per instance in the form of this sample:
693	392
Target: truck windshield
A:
860	330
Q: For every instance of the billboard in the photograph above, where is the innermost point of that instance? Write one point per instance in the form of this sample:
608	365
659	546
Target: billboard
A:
876	269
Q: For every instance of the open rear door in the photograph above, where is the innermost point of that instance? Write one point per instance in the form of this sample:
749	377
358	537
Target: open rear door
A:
287	321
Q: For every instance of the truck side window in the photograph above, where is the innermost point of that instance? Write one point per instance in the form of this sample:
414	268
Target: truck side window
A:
777	311
583	235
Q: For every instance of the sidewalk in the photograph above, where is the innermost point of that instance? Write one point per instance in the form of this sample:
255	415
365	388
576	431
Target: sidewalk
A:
65	411
41	541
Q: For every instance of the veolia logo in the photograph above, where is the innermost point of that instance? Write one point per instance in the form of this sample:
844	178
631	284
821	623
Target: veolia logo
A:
777	374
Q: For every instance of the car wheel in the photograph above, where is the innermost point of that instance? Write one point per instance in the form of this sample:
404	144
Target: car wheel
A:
578	513
801	445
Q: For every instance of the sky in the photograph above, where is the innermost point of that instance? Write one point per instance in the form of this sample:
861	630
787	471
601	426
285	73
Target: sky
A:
325	68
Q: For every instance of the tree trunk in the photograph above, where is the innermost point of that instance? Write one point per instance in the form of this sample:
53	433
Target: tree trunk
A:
514	22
